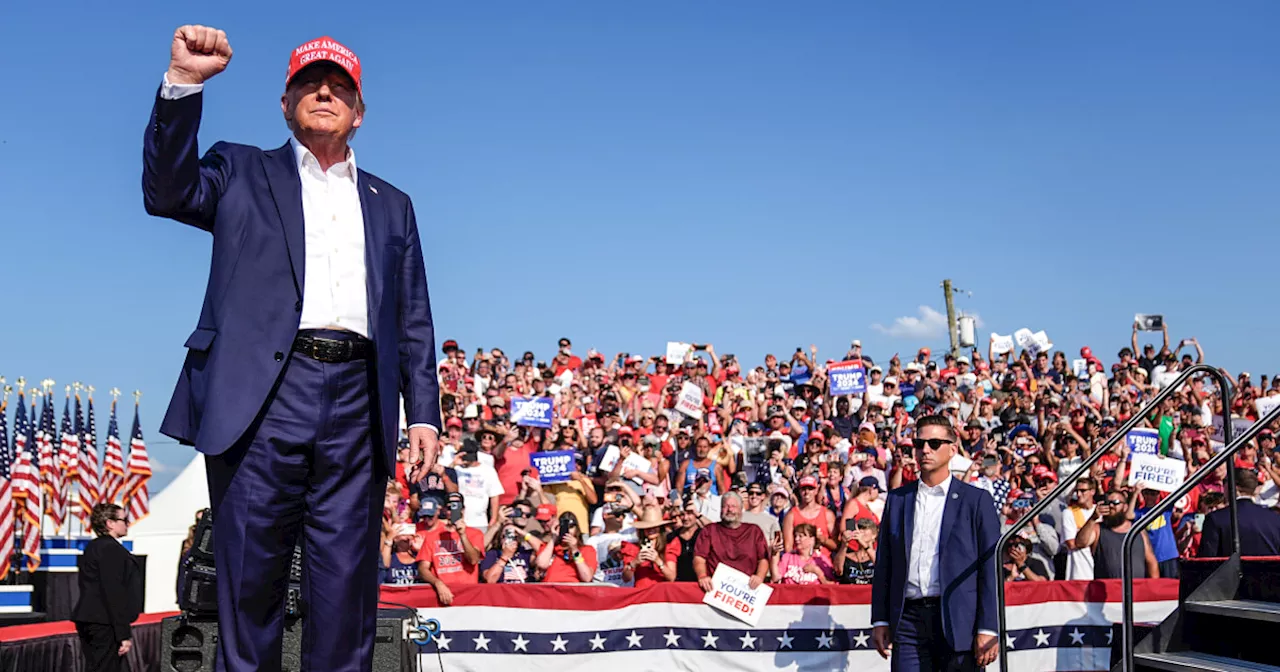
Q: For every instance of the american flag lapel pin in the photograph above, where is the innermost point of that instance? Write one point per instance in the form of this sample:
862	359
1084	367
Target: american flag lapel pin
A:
955	496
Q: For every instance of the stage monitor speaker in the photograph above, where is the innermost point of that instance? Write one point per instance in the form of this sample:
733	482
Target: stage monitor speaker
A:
190	644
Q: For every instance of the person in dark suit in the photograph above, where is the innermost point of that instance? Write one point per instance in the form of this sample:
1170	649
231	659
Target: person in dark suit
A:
110	581
1259	526
936	610
316	320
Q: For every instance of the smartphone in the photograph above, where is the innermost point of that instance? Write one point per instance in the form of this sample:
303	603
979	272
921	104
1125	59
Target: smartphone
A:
850	524
1198	522
455	511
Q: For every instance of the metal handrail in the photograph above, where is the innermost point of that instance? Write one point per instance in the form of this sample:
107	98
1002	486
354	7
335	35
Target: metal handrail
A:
1126	631
1069	482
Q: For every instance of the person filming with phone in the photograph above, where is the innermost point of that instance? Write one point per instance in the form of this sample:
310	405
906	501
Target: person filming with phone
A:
450	554
567	559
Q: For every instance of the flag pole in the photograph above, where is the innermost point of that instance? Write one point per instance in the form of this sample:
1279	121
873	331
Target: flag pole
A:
16	563
10	577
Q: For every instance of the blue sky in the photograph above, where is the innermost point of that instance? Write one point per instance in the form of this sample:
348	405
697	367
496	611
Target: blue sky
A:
760	175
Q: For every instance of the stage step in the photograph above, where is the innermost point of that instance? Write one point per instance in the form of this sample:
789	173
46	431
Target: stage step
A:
1255	610
1191	661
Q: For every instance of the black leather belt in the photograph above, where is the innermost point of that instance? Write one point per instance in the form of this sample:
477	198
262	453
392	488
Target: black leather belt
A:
332	350
924	602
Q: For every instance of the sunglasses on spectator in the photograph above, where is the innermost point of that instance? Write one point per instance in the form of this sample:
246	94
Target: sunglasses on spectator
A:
933	444
1114	502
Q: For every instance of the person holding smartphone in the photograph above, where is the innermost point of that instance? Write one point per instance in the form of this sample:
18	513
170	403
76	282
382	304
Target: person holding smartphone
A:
450	553
855	559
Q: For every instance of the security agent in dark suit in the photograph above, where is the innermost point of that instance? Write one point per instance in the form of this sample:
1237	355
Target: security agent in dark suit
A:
936	608
110	593
1259	526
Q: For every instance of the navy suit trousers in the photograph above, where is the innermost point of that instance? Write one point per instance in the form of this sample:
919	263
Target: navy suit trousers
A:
919	644
306	466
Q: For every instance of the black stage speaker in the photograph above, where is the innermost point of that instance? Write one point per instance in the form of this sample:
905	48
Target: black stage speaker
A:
189	643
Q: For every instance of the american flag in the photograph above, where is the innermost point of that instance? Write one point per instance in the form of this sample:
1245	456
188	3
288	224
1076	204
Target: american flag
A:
26	484
1053	625
71	459
89	476
6	493
112	462
58	500
139	471
50	475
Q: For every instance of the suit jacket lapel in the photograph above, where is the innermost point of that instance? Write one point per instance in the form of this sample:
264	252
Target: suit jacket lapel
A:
950	510
909	516
375	244
281	166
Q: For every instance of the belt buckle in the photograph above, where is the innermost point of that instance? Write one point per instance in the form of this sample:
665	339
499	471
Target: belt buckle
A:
315	350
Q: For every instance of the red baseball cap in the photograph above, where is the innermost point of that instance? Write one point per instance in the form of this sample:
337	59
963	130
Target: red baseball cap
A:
808	482
325	49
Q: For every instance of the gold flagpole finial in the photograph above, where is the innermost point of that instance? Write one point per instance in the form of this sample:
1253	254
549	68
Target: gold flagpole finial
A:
90	389
22	382
137	396
115	394
48	384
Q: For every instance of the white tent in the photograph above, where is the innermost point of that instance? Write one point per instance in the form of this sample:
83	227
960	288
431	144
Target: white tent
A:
159	536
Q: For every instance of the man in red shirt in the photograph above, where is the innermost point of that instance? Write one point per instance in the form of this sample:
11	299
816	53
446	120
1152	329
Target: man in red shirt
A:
450	554
739	546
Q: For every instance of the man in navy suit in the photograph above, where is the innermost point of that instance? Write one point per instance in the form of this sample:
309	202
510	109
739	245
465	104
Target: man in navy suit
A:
316	319
1259	526
936	610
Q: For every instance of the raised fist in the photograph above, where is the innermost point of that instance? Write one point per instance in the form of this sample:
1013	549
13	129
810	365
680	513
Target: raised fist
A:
197	53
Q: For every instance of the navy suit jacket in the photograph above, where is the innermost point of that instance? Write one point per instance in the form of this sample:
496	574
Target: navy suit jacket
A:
1259	531
251	201
966	562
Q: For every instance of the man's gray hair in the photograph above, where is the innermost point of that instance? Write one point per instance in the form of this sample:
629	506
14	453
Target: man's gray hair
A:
734	494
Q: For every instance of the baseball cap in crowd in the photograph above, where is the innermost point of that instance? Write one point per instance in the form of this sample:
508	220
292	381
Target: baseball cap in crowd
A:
808	482
869	482
428	508
325	49
545	512
453	422
449	345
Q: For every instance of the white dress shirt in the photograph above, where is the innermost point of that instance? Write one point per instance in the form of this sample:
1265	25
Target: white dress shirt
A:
333	290
334	283
923	570
923	579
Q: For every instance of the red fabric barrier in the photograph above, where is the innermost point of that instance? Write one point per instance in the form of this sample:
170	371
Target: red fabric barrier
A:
575	597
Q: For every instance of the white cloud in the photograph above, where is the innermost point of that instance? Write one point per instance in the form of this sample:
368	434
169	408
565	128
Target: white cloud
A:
928	324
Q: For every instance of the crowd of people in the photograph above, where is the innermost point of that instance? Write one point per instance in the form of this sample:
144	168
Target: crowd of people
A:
778	478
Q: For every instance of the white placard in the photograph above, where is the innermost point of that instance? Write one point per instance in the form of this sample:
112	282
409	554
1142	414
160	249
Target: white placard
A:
1158	473
690	401
634	461
1001	344
677	352
1265	405
1024	338
1040	343
731	593
1080	367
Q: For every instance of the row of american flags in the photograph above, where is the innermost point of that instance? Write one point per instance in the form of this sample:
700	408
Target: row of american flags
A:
51	472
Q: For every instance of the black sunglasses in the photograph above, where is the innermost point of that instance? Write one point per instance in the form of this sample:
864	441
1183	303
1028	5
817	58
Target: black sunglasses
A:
934	444
1113	502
